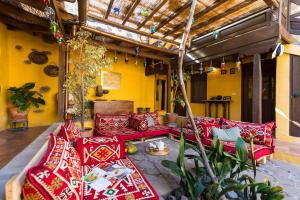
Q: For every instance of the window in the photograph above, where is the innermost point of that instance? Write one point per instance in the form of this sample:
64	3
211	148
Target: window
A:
198	88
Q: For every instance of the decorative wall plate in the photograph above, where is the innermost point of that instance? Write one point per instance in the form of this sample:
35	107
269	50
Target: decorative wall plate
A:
39	57
51	70
44	89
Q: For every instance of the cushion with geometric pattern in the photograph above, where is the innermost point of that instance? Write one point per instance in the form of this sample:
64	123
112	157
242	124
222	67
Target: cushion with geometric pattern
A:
139	123
58	176
108	122
93	150
154	115
69	131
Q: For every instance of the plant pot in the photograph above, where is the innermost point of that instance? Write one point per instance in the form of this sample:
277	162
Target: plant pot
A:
87	132
16	115
172	117
140	110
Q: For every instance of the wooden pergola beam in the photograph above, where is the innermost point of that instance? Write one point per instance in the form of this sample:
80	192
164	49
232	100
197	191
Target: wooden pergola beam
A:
197	16
22	25
220	16
174	15
131	51
82	10
131	9
21	15
257	90
128	28
109	8
120	38
33	3
272	3
155	10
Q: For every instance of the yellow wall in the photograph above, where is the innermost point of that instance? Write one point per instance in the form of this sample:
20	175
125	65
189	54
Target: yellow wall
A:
4	72
14	72
225	85
283	93
135	86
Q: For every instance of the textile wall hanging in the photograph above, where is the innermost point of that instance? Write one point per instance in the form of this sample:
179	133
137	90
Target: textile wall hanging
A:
110	80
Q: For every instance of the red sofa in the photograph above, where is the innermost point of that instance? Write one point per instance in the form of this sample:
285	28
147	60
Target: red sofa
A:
262	133
129	126
59	173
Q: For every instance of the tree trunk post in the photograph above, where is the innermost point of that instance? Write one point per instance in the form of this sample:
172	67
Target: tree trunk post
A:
182	86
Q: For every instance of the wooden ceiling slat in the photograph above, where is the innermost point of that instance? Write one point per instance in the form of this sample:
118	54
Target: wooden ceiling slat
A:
131	9
33	3
109	8
124	39
272	3
21	15
58	15
220	16
197	16
128	28
175	14
162	3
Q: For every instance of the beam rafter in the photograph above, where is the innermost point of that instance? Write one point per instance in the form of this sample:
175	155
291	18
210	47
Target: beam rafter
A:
131	9
197	16
174	15
128	28
21	15
272	3
159	6
109	8
33	3
220	16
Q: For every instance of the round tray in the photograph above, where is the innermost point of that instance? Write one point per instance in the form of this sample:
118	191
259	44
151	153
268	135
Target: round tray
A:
164	152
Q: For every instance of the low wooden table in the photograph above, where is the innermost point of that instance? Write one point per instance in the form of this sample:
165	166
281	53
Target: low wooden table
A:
164	152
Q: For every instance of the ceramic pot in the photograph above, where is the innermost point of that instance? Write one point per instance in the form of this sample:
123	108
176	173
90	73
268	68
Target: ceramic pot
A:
87	132
172	117
16	115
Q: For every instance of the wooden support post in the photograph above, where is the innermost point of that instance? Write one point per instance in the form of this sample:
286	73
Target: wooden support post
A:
257	90
169	89
61	80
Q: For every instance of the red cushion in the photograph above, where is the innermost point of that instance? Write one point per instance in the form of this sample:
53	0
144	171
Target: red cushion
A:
259	150
156	131
135	186
69	131
125	134
262	133
107	122
100	149
198	120
138	123
59	176
188	133
206	129
154	115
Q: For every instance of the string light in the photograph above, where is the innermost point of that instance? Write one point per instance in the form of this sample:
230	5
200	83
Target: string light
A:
223	64
238	64
201	70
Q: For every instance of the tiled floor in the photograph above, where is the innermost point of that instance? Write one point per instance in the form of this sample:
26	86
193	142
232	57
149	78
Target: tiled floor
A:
12	143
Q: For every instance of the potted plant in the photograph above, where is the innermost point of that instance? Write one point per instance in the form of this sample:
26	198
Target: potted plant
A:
88	58
22	98
177	97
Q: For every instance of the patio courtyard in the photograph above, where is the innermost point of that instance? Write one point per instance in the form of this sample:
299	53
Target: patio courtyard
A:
148	100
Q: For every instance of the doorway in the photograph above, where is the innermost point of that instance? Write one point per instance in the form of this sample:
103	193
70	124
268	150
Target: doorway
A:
268	90
295	96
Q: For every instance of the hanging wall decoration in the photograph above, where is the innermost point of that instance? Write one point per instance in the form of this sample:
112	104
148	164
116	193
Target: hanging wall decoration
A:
44	89
238	64
223	71
51	70
137	53
201	69
116	59
211	67
232	70
152	29
145	12
223	64
18	47
126	58
38	57
50	14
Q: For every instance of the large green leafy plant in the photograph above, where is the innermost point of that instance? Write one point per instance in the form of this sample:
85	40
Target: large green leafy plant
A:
23	97
88	58
230	170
